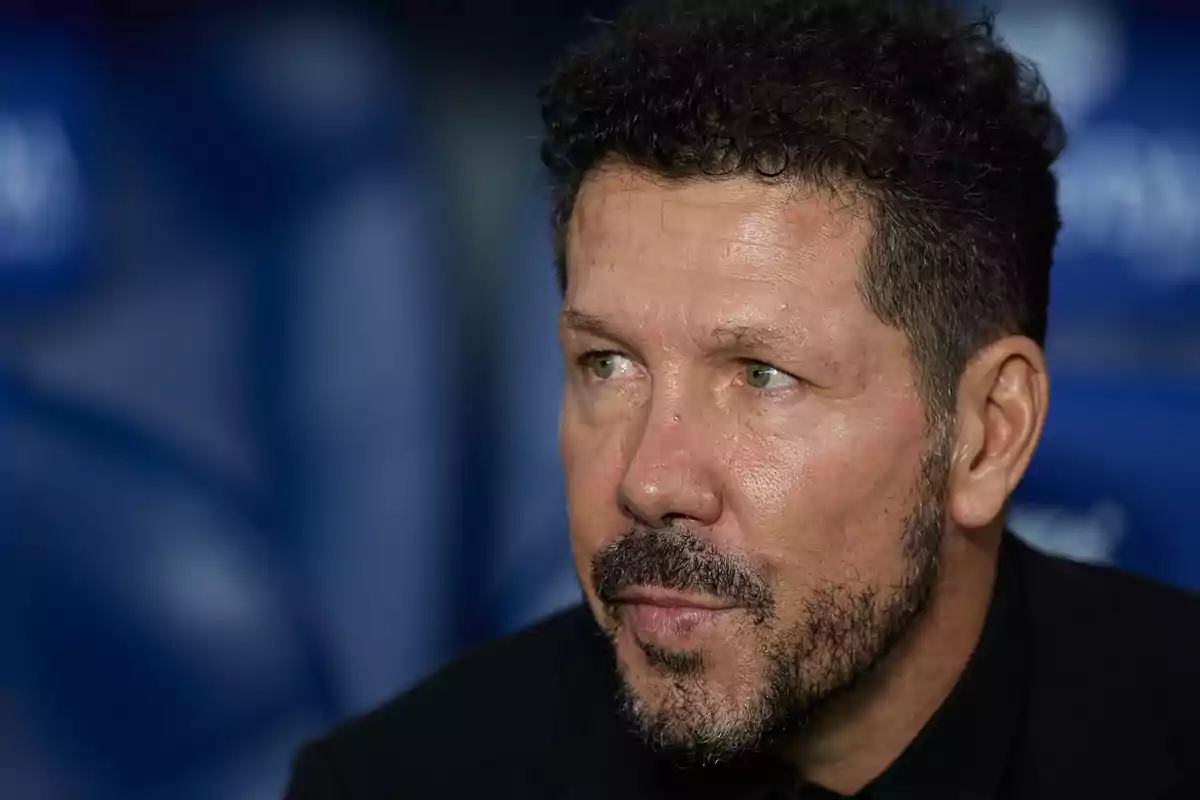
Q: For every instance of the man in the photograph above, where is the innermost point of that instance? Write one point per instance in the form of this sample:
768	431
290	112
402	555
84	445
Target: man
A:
804	250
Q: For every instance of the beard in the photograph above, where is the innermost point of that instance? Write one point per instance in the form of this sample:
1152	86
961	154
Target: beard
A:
843	634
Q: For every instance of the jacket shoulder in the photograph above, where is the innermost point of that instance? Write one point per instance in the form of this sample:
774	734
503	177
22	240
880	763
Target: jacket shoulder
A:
1109	605
1113	670
486	714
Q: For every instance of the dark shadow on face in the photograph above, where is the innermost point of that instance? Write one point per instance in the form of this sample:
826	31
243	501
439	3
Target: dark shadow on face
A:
679	663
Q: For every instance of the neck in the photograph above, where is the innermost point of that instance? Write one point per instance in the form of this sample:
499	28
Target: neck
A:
854	738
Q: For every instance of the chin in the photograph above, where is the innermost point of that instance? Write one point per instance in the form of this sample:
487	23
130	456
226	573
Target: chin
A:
702	704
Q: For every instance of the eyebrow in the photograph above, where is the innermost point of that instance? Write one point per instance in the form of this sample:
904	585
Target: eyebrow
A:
586	323
726	336
751	336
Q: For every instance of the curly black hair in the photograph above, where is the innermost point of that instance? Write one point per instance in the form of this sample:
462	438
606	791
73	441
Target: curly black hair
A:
947	135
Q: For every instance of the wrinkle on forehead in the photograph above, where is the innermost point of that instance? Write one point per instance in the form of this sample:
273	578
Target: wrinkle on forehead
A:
771	222
740	228
749	217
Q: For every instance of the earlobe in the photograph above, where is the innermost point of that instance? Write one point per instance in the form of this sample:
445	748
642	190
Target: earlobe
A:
1002	402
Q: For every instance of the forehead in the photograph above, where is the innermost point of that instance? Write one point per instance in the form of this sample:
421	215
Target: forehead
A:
716	249
789	216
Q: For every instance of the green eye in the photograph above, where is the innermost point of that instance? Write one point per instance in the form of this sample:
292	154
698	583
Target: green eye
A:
605	366
764	376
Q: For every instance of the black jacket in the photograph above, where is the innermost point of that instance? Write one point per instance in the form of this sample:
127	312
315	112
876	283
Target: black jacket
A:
1111	708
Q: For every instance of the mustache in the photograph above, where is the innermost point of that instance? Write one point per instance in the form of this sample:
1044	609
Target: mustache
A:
674	558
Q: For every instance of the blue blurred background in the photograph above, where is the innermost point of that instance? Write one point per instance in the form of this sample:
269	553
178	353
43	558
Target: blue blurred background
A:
278	375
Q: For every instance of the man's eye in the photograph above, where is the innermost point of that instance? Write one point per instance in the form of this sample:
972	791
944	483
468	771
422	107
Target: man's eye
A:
606	365
764	376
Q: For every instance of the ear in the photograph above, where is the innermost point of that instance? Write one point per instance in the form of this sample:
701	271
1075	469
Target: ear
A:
1002	400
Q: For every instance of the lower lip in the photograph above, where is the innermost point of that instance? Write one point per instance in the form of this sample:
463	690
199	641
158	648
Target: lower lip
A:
671	624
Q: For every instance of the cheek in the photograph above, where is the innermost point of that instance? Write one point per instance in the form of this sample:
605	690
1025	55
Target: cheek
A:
832	501
593	464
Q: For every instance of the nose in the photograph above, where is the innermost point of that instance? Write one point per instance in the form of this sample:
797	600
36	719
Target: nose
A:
667	476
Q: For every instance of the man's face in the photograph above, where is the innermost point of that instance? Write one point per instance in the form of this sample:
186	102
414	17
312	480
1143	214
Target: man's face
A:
755	501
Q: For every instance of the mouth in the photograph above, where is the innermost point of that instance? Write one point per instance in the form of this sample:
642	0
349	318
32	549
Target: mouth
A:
671	619
671	599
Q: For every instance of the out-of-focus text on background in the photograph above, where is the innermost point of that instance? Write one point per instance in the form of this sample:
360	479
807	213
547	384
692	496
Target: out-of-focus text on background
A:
278	372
